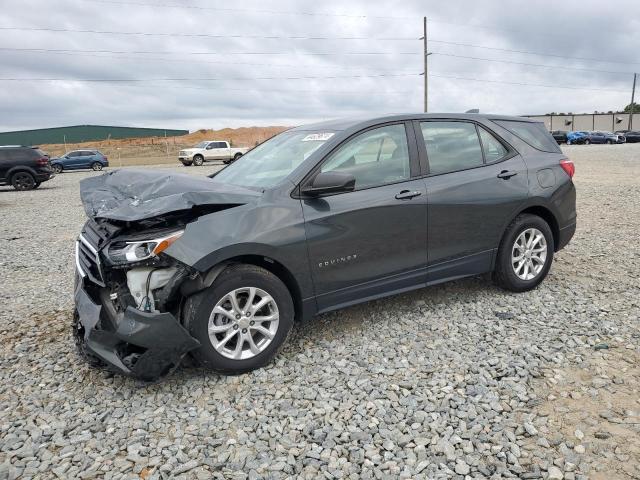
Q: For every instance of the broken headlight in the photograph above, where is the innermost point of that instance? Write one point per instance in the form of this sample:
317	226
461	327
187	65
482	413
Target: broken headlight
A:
135	251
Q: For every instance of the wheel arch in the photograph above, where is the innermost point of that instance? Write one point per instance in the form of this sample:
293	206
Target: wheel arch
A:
548	216
19	168
269	264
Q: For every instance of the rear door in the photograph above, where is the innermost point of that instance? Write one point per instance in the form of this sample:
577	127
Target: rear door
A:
475	183
371	241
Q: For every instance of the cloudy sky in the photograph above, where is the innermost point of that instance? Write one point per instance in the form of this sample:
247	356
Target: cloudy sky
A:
210	64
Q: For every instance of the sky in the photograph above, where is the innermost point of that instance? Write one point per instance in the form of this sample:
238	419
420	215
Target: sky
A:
193	64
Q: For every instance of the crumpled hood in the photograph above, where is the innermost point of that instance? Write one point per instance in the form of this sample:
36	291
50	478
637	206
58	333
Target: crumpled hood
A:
138	194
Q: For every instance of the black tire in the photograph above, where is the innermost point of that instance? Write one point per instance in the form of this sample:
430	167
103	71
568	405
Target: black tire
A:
504	274
236	156
198	160
23	181
587	142
37	184
57	168
187	164
96	166
198	308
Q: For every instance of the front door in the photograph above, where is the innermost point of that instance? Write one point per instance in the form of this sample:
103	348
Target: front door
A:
475	184
371	241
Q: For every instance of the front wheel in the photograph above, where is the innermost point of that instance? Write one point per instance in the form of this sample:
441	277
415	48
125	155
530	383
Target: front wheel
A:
525	254
241	321
187	163
198	160
587	142
96	166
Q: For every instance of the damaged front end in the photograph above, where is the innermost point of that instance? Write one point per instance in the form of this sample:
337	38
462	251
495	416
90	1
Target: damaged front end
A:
128	292
127	311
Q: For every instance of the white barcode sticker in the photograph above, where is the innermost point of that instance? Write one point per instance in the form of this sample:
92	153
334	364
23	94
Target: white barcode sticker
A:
318	137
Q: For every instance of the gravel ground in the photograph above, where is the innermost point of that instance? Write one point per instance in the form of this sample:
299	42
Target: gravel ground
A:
461	380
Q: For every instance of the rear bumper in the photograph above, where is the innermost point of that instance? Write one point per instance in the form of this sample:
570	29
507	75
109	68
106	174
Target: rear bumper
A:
44	176
565	236
138	344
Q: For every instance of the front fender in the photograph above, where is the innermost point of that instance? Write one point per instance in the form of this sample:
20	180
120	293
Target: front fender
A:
272	228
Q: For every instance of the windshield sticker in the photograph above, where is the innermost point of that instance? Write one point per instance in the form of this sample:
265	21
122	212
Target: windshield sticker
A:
318	137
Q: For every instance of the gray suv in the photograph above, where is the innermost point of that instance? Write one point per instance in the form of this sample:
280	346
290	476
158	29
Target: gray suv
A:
315	219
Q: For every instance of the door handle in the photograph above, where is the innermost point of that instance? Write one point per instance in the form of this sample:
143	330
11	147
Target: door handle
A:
507	174
408	194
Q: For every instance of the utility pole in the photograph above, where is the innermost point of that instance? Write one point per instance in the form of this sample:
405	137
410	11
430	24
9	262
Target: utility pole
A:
426	76
633	95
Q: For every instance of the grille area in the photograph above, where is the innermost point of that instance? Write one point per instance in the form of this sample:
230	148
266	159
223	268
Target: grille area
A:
88	261
90	241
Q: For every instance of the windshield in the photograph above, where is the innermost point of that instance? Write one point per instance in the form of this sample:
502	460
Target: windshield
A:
274	160
201	145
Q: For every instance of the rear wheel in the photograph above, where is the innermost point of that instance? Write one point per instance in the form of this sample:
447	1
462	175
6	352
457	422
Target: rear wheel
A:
236	156
57	168
96	166
525	254
609	142
23	181
241	321
198	160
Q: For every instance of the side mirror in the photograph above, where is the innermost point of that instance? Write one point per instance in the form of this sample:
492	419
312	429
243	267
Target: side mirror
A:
330	182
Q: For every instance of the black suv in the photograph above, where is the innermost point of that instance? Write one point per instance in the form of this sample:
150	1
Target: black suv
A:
315	219
25	168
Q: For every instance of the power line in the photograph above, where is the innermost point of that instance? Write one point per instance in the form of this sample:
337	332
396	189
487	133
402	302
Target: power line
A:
195	79
561	67
67	50
200	35
217	62
525	84
532	53
244	10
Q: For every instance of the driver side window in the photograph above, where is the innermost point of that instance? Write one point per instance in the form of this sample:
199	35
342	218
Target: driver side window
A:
376	157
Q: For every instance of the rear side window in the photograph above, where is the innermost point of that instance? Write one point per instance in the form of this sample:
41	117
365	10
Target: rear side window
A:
451	146
221	145
532	133
494	150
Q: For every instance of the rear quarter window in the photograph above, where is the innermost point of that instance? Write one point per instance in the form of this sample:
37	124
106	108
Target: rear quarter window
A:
532	133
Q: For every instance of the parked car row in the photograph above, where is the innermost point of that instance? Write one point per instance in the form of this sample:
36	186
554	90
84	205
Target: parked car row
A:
598	136
25	167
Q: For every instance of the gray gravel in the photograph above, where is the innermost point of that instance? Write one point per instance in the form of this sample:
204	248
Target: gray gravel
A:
432	384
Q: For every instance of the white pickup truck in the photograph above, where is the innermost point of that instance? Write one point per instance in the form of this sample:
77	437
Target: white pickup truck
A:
208	151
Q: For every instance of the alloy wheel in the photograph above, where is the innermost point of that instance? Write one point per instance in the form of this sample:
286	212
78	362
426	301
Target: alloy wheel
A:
97	166
529	254
243	323
23	181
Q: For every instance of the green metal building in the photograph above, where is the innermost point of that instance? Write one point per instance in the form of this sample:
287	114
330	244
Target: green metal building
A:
82	133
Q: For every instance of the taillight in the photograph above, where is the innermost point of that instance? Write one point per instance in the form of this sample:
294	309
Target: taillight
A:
42	161
568	166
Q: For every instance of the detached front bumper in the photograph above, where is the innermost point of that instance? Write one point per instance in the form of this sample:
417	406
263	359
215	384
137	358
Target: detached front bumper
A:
138	344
